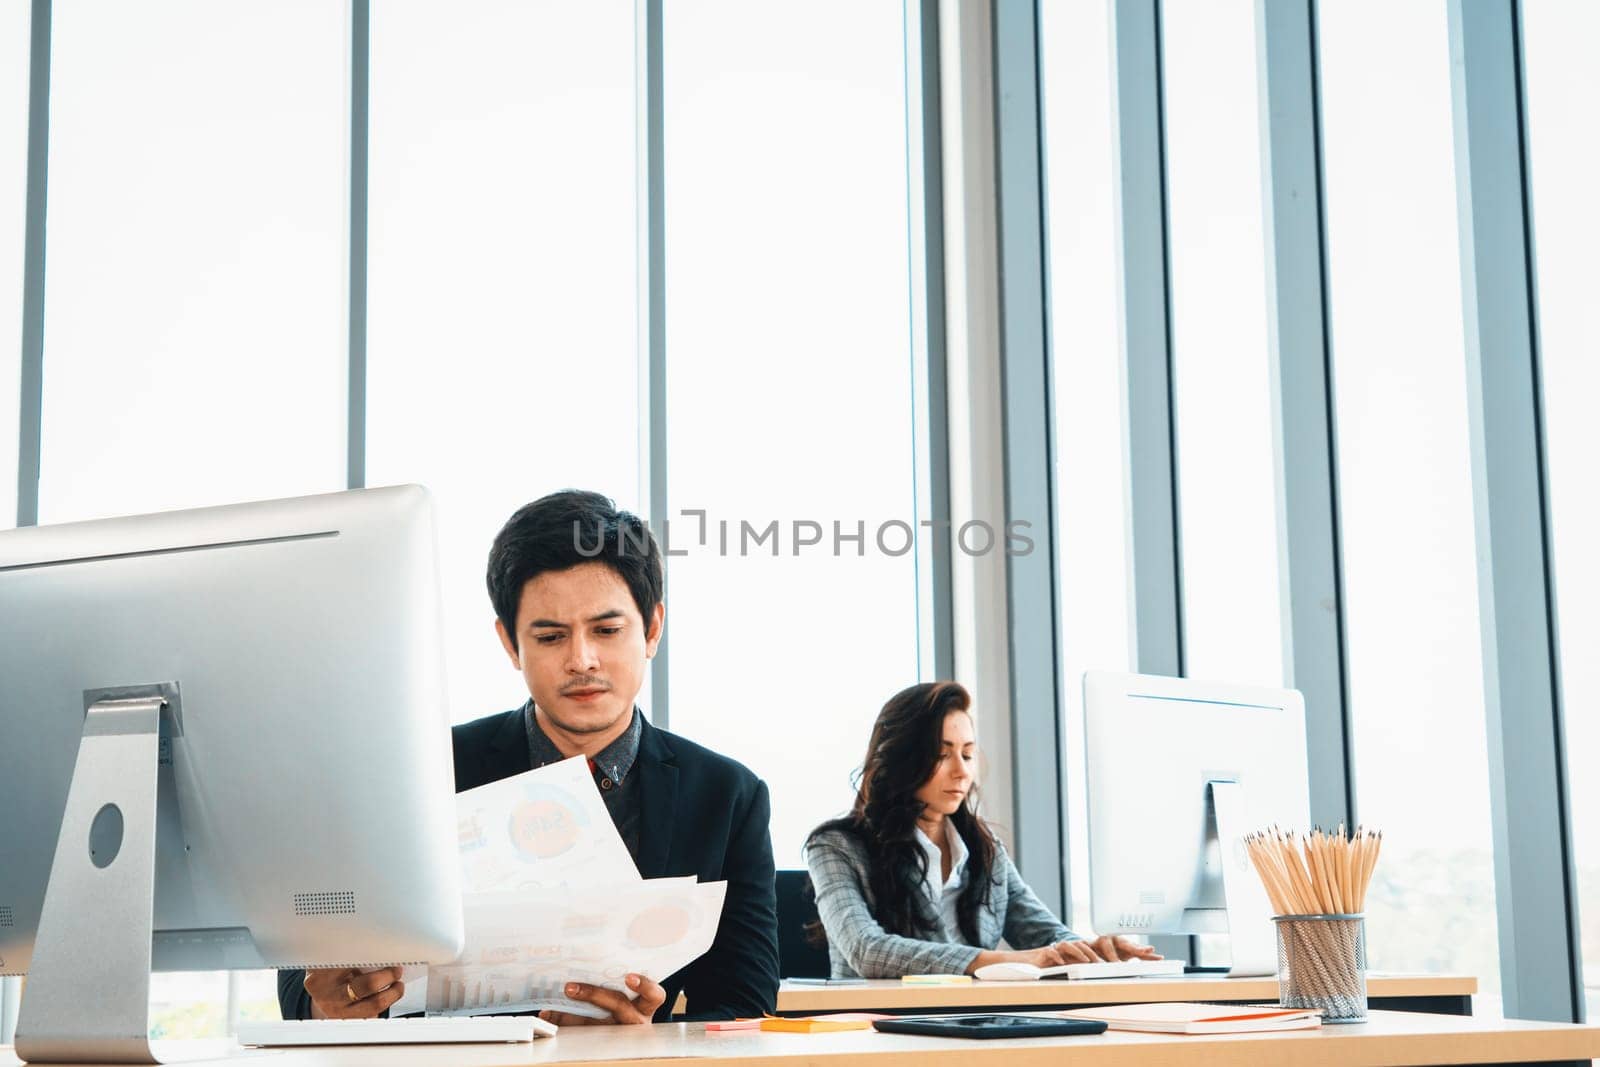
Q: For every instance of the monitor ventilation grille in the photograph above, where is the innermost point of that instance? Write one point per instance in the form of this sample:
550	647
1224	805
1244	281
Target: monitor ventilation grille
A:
5	915
339	903
365	965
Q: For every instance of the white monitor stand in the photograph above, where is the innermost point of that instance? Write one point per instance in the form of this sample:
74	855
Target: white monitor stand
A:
1251	936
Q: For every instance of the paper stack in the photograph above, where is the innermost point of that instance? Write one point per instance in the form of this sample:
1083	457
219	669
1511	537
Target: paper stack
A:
551	896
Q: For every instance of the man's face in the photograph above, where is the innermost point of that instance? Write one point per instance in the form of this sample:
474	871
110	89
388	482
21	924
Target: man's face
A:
582	647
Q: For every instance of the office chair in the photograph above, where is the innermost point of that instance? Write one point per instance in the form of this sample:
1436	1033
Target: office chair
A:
797	908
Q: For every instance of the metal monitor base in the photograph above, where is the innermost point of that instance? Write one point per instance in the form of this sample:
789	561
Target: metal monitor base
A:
88	994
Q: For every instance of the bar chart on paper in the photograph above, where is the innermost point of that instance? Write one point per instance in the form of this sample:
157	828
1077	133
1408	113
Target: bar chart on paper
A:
482	993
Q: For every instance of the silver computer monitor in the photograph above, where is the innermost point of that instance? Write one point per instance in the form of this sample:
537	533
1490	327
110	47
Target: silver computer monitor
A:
1177	771
297	768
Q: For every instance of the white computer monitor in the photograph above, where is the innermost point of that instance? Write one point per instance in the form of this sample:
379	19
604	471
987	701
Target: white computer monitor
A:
225	746
1178	771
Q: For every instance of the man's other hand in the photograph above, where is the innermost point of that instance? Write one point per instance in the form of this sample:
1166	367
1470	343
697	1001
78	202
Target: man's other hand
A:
350	993
620	1009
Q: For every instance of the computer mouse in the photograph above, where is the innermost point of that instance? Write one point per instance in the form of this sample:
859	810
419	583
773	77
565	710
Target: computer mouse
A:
1007	972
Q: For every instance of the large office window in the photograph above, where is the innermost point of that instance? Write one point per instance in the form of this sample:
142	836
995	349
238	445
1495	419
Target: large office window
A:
789	382
1232	619
502	351
1563	87
1091	518
14	28
1416	675
195	295
194	298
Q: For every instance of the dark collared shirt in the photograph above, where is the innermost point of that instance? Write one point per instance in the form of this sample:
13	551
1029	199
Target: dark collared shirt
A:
612	767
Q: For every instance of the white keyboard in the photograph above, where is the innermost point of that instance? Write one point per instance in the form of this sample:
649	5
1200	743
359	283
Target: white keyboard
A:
1119	969
447	1029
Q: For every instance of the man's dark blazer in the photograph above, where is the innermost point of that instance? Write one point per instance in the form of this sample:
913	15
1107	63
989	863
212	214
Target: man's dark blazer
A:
700	814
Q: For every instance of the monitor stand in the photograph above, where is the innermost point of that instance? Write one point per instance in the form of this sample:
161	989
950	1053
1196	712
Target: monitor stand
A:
88	994
1252	940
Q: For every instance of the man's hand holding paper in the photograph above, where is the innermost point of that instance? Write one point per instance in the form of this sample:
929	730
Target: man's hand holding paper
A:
647	997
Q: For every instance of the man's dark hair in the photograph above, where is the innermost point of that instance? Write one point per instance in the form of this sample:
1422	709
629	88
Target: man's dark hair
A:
564	530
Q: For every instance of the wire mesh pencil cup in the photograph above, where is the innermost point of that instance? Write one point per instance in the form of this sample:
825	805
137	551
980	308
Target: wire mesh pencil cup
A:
1322	963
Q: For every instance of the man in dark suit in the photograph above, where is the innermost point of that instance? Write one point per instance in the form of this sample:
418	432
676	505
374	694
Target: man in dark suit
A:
576	586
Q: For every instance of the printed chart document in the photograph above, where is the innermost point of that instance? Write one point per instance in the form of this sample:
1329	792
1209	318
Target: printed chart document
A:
544	829
523	947
551	896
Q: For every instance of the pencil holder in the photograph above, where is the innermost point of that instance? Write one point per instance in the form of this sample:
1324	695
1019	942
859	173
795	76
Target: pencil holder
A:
1322	963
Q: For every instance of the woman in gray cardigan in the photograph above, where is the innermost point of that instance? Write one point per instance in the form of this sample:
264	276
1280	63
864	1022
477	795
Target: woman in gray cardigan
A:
912	881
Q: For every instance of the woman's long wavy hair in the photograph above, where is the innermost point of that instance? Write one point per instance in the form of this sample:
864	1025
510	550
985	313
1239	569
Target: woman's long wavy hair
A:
902	755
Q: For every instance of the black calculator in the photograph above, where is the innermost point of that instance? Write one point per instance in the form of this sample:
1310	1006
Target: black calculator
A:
988	1026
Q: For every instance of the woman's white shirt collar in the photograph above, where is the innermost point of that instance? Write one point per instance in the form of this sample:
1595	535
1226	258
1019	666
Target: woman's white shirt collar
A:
944	894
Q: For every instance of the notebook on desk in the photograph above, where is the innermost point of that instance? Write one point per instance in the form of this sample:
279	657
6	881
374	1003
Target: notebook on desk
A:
1199	1018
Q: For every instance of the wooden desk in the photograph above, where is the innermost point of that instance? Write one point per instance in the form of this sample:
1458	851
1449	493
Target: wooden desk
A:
1390	1039
1449	994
